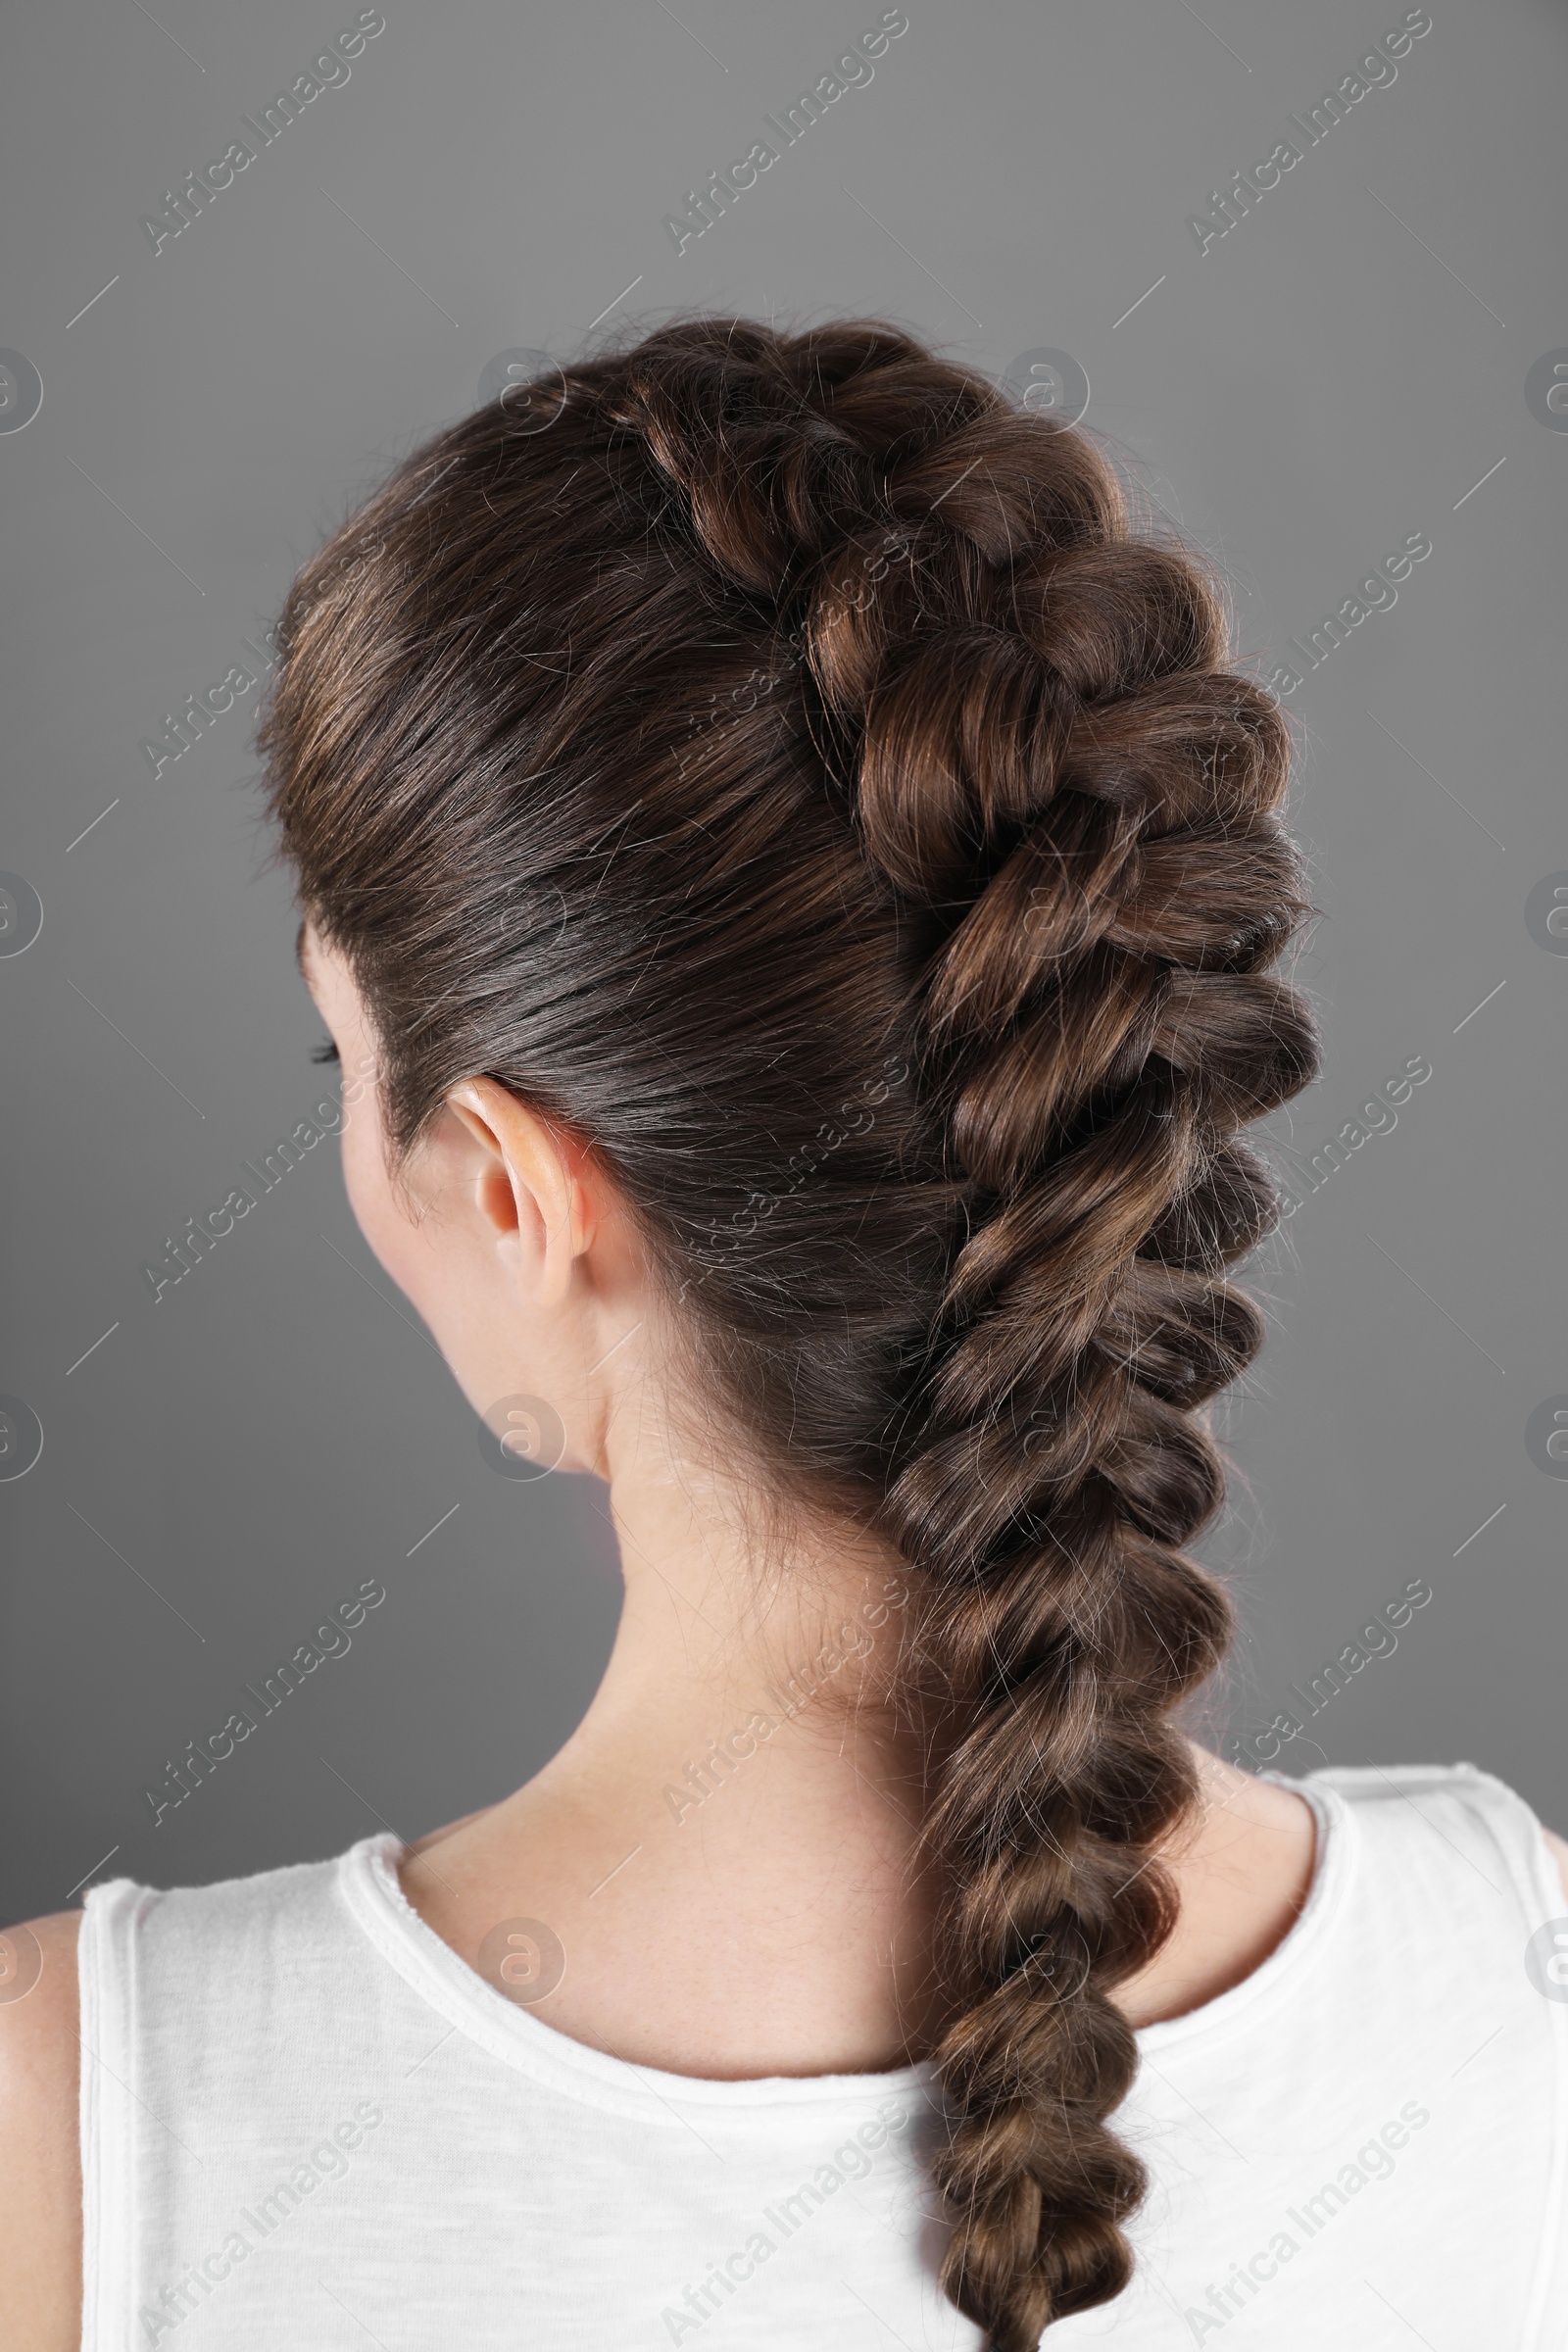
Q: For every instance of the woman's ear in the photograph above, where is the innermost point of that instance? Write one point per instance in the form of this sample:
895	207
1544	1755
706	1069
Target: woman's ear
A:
530	1179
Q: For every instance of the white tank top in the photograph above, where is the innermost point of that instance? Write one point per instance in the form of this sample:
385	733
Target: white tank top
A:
306	2122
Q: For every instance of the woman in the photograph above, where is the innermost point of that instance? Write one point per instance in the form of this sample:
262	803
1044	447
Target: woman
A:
791	881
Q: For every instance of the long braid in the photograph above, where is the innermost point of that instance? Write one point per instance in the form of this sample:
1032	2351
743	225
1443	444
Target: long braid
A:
1049	757
1029	815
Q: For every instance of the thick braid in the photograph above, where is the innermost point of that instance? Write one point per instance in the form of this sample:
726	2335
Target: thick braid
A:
1043	751
1097	1028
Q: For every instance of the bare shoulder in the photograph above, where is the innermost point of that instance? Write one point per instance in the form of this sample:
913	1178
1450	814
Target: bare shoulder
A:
1557	1847
40	2204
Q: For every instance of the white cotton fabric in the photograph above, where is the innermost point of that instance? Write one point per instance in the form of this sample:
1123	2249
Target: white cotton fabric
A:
306	2122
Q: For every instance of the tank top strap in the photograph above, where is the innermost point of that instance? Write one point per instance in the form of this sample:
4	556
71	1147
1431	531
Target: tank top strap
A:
178	1986
106	1985
1425	1818
1460	1892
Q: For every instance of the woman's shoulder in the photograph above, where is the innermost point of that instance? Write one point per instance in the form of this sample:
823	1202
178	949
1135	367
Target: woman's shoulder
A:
1418	1821
44	2033
40	2193
1254	1852
1446	1802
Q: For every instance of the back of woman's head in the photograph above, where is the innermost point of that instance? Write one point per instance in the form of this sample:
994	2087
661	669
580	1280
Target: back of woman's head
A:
775	757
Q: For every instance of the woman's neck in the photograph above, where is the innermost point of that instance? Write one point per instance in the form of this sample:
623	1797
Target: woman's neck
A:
727	1846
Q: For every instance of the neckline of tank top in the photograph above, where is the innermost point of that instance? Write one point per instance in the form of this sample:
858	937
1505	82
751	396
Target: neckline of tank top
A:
368	1881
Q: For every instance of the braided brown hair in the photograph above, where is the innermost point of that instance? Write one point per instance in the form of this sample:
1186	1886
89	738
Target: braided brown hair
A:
776	757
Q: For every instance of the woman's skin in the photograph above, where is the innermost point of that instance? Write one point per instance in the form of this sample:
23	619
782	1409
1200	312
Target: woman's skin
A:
780	1924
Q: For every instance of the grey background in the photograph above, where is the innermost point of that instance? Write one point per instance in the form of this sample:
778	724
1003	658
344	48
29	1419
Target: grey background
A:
1336	373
